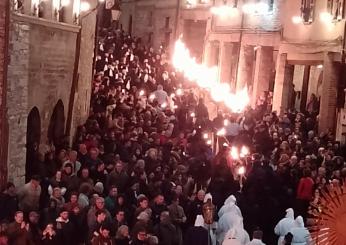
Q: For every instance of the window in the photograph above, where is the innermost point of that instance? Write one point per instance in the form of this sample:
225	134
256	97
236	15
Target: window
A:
167	22
150	22
336	9
307	11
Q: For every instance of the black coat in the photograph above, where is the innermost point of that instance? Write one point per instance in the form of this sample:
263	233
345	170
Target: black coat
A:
196	236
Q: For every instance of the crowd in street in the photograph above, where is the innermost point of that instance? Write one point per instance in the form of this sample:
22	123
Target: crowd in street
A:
145	169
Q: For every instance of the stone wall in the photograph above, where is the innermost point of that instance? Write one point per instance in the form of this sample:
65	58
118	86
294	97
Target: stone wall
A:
83	88
40	73
4	7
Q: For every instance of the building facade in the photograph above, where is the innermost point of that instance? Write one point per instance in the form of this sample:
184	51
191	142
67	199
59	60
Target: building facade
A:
292	48
47	84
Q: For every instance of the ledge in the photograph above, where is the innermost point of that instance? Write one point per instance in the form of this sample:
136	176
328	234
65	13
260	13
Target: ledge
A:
44	22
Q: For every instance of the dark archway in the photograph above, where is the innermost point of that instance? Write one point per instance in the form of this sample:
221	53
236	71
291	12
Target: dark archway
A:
56	127
33	136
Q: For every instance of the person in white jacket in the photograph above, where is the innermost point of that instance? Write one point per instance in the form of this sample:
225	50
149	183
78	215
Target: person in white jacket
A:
285	225
301	235
227	222
256	238
230	206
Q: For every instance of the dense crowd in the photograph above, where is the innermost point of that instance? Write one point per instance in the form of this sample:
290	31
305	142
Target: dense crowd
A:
141	165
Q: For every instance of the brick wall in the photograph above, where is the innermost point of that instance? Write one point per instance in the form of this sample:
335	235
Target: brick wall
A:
40	73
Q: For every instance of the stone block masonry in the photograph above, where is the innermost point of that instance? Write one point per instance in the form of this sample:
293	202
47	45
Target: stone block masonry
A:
40	72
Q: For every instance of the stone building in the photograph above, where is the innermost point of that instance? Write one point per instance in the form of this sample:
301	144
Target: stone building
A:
47	49
292	48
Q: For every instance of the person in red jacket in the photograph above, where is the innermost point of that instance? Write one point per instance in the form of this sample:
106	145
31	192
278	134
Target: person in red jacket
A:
304	193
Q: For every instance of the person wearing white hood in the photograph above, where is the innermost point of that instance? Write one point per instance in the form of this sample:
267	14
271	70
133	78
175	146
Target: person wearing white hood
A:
237	235
231	221
230	206
285	225
301	235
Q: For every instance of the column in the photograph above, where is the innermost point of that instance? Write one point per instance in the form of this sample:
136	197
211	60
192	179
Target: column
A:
214	54
263	71
305	88
225	63
283	84
245	67
328	101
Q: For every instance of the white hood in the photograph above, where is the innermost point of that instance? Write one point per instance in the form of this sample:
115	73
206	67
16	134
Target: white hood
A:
230	200
290	213
299	221
199	221
208	196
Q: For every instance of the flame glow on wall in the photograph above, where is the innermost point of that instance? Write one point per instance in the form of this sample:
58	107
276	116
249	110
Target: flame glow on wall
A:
207	78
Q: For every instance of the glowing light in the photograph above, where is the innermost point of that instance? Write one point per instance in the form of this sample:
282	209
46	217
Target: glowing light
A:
326	17
297	19
65	3
221	132
205	136
225	122
241	170
319	67
244	151
207	78
225	144
141	93
175	107
84	6
208	142
179	92
234	153
101	1
224	11
172	95
164	105
152	97
192	114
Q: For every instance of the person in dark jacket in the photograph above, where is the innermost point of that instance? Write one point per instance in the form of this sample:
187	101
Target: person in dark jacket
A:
198	234
64	229
8	202
158	207
166	231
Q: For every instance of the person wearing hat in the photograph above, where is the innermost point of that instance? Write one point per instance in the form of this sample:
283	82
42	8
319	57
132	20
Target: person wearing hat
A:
34	232
64	228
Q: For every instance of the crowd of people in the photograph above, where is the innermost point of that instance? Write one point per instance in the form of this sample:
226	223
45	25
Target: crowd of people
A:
144	168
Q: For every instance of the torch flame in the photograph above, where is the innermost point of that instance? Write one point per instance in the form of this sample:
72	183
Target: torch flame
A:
207	78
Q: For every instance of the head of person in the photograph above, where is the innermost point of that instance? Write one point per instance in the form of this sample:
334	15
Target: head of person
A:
123	232
164	217
34	217
74	197
201	195
143	202
113	191
142	234
120	215
100	216
119	167
159	87
35	181
10	189
83	149
159	200
72	156
99	203
85	173
104	230
19	217
257	234
64	214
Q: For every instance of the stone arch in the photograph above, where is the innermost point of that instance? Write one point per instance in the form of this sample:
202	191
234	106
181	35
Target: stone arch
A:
56	126
33	137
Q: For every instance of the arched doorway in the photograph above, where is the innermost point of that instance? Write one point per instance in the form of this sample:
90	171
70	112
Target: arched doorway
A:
56	127
33	135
